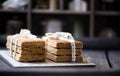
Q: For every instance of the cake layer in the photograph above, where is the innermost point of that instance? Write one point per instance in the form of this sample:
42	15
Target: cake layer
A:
30	43
28	50
57	43
27	58
23	48
62	51
62	58
32	51
26	42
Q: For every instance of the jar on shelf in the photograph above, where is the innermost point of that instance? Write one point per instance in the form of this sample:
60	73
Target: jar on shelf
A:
78	5
53	5
53	25
42	4
78	29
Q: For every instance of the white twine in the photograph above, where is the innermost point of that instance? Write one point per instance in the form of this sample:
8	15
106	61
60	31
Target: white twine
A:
11	41
66	37
15	48
27	34
24	33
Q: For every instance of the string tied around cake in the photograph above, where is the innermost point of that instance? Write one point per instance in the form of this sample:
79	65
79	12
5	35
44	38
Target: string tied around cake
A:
67	37
27	34
24	33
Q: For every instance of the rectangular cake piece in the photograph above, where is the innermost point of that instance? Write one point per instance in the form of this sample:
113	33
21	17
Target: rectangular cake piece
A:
28	58
62	58
57	43
23	48
32	43
62	51
33	51
26	49
26	42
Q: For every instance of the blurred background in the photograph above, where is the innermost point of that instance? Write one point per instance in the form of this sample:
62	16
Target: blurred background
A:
94	22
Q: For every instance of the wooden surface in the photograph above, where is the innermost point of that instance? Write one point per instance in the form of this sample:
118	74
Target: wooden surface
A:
13	11
37	11
98	57
91	16
107	13
114	58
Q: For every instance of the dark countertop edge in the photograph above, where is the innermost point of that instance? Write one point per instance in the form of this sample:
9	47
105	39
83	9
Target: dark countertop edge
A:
115	71
59	69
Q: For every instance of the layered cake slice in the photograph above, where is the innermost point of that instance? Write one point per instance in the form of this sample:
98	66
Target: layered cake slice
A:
62	58
58	43
61	47
26	47
62	51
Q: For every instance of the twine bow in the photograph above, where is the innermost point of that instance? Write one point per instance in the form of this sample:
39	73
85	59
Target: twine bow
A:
24	33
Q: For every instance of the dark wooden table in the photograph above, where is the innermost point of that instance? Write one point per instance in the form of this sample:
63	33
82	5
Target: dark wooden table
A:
107	64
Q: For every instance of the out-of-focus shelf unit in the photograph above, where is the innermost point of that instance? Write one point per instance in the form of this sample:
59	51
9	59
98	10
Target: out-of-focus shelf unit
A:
107	13
12	11
98	21
36	11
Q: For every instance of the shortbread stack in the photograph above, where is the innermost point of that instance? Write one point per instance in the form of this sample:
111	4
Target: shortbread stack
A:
61	50
25	47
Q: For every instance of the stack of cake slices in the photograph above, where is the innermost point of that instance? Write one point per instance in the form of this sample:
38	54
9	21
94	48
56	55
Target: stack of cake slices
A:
26	49
61	51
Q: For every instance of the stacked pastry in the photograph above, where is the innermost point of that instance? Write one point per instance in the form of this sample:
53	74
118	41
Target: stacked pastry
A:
61	50
26	47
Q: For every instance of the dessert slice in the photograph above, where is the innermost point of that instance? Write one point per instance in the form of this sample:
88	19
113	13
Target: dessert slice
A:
62	58
57	43
62	51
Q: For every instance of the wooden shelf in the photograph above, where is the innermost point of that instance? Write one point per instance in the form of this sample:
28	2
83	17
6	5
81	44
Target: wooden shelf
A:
13	11
37	11
107	13
63	7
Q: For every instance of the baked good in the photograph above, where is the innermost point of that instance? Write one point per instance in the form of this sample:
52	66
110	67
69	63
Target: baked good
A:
28	58
57	43
25	42
63	51
26	47
63	58
61	47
